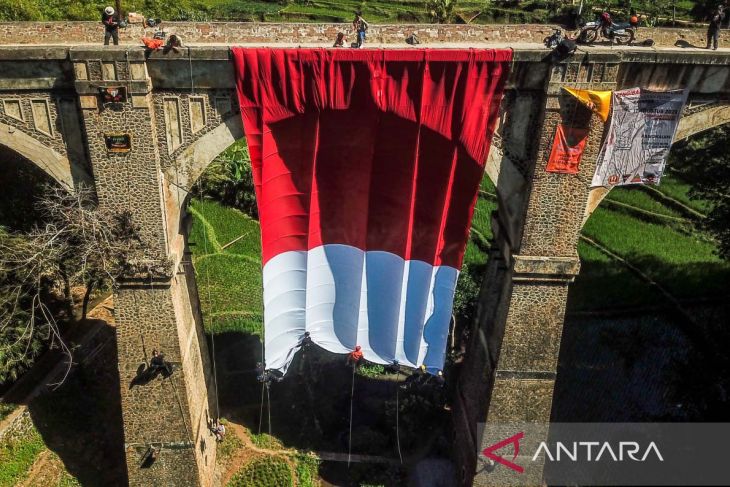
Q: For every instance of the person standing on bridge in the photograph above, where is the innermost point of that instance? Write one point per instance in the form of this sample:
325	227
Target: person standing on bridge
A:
713	31
110	19
360	26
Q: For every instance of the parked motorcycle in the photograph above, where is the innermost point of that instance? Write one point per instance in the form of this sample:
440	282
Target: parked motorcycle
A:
622	33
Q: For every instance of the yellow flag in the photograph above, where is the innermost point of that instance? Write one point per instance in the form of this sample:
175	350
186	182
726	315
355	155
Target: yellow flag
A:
598	101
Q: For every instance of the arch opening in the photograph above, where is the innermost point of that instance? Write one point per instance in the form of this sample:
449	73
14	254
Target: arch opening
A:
67	173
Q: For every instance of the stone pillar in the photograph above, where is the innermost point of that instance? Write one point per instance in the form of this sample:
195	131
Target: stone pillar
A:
156	309
509	373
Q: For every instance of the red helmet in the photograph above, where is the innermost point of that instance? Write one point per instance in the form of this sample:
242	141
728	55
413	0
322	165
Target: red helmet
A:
606	17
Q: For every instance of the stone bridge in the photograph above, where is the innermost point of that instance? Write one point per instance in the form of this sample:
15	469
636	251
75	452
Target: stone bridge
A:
181	112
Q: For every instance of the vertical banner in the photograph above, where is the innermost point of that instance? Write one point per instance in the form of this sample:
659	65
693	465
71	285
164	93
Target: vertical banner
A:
568	146
640	136
367	165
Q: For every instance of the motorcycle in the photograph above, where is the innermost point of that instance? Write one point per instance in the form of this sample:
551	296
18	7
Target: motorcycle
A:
623	33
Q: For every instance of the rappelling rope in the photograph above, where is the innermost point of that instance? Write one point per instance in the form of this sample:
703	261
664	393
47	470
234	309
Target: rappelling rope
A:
190	65
397	414
352	396
261	411
182	411
268	400
209	299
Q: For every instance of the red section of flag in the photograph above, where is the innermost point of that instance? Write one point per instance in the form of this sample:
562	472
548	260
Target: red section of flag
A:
567	151
377	149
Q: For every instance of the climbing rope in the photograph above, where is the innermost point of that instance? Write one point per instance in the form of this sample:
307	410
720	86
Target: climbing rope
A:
209	299
397	414
190	65
268	401
261	410
182	411
352	395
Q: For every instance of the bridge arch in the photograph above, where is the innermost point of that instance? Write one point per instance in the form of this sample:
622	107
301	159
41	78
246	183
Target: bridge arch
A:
689	125
194	160
57	166
700	121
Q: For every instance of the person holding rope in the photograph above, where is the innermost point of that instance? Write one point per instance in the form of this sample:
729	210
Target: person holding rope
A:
354	357
159	364
219	430
110	19
360	26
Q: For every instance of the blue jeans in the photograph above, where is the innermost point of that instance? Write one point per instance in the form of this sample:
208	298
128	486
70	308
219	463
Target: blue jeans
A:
360	38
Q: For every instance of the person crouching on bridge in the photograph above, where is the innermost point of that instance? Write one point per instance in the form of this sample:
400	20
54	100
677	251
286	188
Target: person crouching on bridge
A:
110	19
361	27
713	31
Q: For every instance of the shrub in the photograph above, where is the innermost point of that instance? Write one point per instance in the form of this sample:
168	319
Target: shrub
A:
263	472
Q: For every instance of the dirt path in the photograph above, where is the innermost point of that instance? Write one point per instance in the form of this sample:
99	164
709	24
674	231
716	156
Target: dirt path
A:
250	451
46	470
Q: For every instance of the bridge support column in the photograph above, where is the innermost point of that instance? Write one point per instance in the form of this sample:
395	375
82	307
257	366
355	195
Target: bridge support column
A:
509	373
167	441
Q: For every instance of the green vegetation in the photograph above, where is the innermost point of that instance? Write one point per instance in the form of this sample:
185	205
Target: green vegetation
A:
707	167
370	370
227	448
377	11
229	280
307	470
68	480
265	471
17	456
6	409
264	440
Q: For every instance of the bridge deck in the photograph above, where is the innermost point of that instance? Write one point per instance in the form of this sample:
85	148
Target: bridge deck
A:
523	51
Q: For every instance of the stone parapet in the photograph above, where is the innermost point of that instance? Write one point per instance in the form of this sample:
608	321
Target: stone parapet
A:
302	33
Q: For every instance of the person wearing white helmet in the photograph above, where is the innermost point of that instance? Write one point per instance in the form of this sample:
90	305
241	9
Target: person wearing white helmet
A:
110	19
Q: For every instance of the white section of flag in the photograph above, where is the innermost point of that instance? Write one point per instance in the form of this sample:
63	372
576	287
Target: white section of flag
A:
395	309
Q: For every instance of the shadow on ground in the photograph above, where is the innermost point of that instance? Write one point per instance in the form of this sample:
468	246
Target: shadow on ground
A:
81	421
310	410
645	367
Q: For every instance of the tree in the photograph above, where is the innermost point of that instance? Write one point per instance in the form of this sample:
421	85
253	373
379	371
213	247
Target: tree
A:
704	161
441	11
229	180
78	244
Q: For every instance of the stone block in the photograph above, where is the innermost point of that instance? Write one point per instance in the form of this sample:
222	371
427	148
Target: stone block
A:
89	102
521	400
81	71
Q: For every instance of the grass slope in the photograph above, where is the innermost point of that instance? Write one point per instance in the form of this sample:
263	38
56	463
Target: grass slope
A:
229	280
17	456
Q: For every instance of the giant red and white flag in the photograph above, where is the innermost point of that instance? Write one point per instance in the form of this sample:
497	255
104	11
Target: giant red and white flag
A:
367	165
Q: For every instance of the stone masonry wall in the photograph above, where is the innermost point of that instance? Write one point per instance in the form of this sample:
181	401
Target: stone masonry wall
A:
551	227
18	427
254	32
156	413
16	111
213	116
129	181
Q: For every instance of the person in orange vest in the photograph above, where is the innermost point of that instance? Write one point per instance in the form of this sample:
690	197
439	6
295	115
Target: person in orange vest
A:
354	357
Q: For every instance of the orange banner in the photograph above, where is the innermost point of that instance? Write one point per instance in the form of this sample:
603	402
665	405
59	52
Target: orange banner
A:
568	146
598	101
